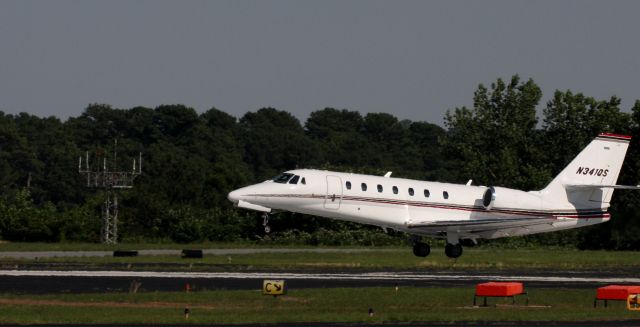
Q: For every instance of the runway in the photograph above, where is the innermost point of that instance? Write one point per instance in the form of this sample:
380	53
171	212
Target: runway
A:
79	281
168	252
42	277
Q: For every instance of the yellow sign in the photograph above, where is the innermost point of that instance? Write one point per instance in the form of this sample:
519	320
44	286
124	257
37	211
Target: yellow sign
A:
633	302
272	287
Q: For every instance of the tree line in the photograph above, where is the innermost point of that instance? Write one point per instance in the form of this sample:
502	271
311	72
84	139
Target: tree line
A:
191	161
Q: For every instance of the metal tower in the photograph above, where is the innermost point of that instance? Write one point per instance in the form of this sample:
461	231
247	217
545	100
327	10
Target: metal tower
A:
110	181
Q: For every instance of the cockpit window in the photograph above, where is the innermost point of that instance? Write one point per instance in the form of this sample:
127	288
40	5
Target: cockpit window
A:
294	180
282	178
303	181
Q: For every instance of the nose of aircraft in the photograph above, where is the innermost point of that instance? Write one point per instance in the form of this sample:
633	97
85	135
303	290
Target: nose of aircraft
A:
234	196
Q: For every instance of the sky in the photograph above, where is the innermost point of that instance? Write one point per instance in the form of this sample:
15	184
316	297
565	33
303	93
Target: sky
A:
412	59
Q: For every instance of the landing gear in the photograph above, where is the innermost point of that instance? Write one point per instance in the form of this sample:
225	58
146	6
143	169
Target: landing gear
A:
421	249
453	250
468	242
265	223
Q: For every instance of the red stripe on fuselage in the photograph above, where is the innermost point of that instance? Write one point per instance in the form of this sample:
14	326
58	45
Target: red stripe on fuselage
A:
615	136
551	214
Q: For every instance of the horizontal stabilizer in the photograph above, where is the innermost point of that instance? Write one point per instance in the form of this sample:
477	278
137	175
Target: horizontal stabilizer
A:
595	186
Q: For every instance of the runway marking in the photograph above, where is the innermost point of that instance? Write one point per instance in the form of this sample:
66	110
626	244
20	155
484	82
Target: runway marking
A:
318	276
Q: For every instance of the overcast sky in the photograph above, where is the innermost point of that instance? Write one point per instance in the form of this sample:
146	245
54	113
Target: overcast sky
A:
414	59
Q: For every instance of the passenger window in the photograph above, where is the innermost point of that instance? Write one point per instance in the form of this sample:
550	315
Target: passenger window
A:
445	195
348	185
303	181
294	180
395	190
379	188
364	186
411	191
426	193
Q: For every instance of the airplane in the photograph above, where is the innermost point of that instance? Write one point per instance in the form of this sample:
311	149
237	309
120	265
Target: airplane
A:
460	213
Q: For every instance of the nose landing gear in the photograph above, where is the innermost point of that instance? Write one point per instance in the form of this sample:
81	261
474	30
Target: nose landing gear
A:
265	223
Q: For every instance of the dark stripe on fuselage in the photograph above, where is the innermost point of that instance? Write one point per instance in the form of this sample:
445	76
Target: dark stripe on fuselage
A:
584	214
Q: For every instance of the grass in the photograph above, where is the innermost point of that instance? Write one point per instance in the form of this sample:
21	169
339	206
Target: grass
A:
39	246
317	305
305	305
396	258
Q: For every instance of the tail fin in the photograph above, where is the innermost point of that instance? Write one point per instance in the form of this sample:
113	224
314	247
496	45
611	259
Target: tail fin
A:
588	181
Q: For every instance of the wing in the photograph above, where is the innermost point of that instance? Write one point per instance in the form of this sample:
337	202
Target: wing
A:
485	228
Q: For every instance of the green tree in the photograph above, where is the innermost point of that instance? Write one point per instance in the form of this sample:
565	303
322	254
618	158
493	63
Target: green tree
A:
274	141
428	138
21	221
571	121
338	136
17	160
495	142
393	148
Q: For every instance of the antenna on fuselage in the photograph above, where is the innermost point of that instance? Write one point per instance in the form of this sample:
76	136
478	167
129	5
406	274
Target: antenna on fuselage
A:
388	174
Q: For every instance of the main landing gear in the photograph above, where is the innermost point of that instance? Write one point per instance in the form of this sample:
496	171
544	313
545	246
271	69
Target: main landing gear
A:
421	249
453	250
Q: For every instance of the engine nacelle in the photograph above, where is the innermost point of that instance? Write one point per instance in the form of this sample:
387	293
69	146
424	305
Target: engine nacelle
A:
524	201
489	198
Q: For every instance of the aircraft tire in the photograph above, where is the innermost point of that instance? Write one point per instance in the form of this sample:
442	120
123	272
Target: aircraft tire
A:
421	249
453	250
267	229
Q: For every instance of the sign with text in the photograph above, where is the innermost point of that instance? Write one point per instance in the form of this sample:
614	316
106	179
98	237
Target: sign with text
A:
272	287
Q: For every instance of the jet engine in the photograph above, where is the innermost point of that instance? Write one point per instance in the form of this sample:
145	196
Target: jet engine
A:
489	198
524	201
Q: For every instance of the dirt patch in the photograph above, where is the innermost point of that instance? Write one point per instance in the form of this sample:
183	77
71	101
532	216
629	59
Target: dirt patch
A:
330	264
294	299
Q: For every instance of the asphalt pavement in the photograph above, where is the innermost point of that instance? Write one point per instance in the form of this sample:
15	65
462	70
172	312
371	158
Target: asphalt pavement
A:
40	277
167	252
42	281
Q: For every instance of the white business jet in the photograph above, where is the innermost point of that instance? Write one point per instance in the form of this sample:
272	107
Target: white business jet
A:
579	196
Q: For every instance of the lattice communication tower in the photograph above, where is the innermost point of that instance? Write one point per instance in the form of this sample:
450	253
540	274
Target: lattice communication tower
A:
111	182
